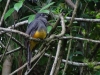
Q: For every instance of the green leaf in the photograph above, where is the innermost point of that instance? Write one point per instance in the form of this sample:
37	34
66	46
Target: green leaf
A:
49	28
97	67
23	18
31	18
47	6
8	13
18	5
44	11
98	16
0	0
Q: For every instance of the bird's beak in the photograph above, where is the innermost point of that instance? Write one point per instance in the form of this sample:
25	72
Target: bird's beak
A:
46	16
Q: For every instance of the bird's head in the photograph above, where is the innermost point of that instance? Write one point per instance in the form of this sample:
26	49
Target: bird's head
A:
43	15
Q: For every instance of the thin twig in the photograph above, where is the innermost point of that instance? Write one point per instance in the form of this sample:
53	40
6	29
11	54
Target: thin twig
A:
75	63
79	38
26	73
70	26
56	58
48	65
12	51
6	48
62	31
32	60
62	25
16	25
66	64
37	60
84	19
54	27
15	40
70	3
60	56
8	1
2	44
29	8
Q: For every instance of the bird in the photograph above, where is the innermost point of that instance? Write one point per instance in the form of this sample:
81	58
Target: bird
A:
36	29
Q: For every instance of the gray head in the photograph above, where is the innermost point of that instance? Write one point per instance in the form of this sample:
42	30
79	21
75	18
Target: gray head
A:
43	15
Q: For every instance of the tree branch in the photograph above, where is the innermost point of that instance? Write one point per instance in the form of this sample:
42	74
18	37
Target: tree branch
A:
8	1
12	51
18	32
78	38
56	57
84	19
75	63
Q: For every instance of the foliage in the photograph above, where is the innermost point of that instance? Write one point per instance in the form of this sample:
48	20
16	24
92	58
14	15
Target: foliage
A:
18	5
8	13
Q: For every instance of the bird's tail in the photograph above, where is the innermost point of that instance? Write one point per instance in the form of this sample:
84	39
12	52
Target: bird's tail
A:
29	56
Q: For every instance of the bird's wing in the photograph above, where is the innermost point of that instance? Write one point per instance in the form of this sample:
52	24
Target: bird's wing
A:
32	27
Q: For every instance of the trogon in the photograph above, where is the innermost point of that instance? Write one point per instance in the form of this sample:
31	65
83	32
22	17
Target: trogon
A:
36	29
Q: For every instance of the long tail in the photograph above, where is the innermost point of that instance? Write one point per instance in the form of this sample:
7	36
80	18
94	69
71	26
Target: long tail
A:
29	56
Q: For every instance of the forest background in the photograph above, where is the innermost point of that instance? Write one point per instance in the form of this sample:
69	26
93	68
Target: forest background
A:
71	46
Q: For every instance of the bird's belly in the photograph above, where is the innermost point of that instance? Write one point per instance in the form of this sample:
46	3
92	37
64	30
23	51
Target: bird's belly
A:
32	44
40	34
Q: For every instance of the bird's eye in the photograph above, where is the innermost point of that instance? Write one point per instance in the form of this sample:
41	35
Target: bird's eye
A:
41	14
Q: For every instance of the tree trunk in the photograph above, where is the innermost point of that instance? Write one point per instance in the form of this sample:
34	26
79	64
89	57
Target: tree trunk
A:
6	70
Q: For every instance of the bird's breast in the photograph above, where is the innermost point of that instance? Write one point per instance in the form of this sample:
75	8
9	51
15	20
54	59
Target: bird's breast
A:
41	34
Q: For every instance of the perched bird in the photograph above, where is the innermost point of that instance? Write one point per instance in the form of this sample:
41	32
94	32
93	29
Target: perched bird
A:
36	29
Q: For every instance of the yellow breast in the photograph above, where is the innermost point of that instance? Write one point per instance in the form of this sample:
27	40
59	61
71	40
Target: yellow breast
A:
40	34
